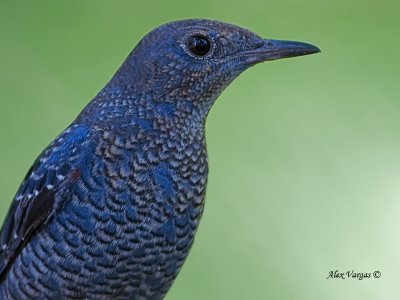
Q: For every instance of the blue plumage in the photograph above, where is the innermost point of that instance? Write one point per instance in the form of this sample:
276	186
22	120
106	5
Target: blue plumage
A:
109	210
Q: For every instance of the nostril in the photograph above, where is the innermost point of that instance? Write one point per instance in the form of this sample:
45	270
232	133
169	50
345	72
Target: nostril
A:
259	44
269	44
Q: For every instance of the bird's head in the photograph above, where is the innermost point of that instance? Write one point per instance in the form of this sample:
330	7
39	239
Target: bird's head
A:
188	63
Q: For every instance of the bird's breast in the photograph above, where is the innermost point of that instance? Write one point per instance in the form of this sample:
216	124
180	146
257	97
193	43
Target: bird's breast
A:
154	185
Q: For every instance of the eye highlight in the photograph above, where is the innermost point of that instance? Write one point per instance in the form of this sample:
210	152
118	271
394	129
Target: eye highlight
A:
198	45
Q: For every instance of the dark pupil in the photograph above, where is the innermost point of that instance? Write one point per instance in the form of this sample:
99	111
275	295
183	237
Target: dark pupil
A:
199	45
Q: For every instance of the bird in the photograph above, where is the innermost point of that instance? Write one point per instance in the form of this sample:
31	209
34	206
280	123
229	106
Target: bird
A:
109	210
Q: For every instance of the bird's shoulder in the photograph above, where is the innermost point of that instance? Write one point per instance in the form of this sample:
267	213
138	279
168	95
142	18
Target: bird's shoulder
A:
42	190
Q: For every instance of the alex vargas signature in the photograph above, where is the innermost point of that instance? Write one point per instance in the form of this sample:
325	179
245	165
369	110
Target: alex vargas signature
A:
353	275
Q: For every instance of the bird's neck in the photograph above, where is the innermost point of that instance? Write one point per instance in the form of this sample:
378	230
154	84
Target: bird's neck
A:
125	105
135	95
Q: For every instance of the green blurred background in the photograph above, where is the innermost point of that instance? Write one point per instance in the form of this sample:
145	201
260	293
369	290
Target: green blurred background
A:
304	153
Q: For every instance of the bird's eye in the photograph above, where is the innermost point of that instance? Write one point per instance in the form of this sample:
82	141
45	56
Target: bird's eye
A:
199	45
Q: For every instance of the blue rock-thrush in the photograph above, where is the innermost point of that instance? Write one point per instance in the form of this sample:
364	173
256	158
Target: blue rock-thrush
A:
109	210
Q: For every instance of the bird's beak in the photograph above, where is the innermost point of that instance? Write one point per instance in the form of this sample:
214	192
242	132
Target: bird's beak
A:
274	49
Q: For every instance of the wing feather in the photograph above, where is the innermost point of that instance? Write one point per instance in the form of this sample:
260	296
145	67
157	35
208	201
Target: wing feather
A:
43	190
